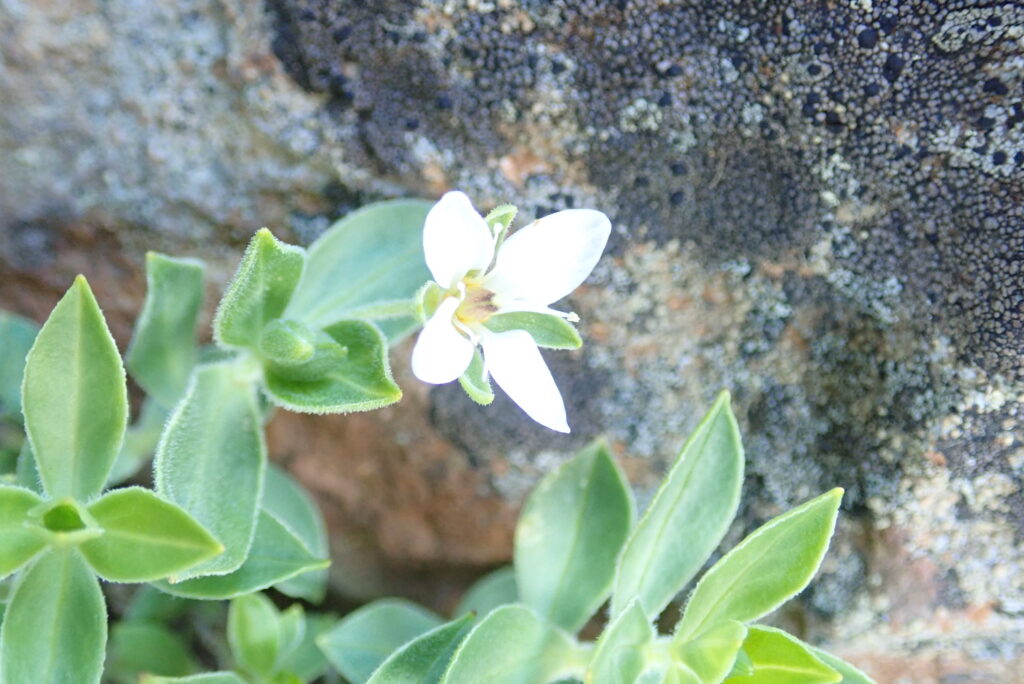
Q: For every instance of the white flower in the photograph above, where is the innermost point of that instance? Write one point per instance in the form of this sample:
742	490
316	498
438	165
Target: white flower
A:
532	269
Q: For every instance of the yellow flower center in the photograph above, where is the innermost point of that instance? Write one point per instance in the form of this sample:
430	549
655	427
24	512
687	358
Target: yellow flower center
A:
477	304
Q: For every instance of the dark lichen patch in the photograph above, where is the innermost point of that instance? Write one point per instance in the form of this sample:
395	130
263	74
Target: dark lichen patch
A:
855	168
779	114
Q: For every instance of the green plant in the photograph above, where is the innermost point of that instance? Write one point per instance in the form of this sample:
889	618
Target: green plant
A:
263	646
303	330
309	330
577	546
75	406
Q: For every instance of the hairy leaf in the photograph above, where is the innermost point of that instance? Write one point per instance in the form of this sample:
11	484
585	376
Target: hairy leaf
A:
144	537
138	646
849	673
149	604
306	661
778	658
764	570
291	505
688	517
140	442
512	645
288	343
547	330
424	659
55	627
373	255
359	380
618	655
260	290
711	656
254	633
74	397
211	461
163	352
489	592
26	472
275	556
366	637
19	543
569	535
205	678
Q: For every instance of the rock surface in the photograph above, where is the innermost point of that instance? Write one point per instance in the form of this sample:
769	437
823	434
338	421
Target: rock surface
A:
816	205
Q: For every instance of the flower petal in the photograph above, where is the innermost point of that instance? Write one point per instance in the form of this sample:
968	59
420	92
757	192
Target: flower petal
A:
456	239
441	353
549	258
515	363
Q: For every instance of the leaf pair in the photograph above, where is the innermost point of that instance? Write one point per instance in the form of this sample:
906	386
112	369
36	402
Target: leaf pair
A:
271	645
75	406
288	550
338	367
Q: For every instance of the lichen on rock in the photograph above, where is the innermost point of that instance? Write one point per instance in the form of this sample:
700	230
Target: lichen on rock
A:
816	205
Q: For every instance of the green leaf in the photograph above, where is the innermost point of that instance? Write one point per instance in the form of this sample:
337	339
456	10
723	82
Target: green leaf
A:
764	570
494	589
16	337
55	627
371	256
211	461
569	535
152	605
27	471
512	645
74	397
292	628
19	543
291	505
163	352
360	380
475	381
547	330
139	646
254	633
849	673
424	659
260	290
711	656
778	658
144	537
140	442
674	674
619	653
688	517
366	637
306	660
275	556
288	343
205	678
743	666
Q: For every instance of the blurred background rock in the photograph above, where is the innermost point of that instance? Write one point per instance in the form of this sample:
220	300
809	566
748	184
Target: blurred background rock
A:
816	204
